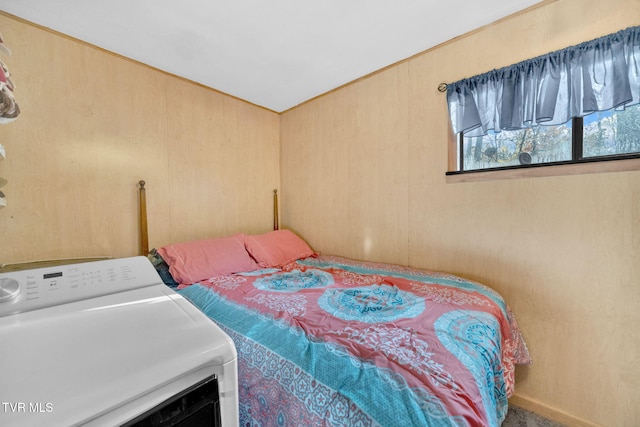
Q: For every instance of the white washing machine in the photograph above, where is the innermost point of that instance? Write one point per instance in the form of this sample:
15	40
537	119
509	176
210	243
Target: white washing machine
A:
106	343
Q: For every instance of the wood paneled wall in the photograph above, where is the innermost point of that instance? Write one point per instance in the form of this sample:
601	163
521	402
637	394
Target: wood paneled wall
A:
363	176
345	190
93	124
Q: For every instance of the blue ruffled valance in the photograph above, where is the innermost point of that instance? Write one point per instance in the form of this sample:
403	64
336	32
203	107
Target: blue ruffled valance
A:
551	89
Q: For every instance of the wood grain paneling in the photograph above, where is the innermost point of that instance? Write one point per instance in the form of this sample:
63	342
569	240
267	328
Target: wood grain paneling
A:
343	187
93	124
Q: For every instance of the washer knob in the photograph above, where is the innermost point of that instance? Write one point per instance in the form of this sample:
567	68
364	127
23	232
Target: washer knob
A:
9	289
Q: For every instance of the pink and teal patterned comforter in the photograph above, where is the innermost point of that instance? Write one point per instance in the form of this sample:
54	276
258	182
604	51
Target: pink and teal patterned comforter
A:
330	341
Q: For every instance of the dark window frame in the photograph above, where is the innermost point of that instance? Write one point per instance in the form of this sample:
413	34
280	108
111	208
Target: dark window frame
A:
577	129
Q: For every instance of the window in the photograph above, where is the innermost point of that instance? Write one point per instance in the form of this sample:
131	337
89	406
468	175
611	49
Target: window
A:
580	104
602	135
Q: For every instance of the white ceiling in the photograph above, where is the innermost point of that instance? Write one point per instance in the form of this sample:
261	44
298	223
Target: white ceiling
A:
275	54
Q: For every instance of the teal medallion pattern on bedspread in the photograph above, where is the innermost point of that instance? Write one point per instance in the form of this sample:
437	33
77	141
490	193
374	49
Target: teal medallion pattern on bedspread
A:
294	281
474	338
392	270
333	342
288	379
371	304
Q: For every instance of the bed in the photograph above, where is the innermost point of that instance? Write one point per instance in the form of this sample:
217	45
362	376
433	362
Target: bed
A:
330	341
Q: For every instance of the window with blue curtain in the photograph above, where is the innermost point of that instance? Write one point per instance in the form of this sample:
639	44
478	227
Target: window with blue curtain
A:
538	110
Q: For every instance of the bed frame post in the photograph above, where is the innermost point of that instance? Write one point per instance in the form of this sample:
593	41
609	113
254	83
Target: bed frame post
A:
276	222
144	234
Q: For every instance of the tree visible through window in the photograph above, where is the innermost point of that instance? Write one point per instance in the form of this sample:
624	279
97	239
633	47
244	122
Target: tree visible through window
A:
612	133
606	134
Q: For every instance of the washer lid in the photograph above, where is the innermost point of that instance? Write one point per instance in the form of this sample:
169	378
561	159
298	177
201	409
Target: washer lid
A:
35	289
65	364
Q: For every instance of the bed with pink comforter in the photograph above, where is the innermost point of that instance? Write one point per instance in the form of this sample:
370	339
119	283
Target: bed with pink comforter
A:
324	340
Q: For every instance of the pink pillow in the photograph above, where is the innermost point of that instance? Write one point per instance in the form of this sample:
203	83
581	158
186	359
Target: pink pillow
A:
277	248
194	261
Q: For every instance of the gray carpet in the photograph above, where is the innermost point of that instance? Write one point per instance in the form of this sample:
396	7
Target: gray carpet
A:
518	417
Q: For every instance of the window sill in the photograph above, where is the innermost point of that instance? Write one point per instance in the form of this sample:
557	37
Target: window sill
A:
622	165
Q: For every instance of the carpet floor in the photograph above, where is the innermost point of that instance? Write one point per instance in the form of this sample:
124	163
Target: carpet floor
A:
518	417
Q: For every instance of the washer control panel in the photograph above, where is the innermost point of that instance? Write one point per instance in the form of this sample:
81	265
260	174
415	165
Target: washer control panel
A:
28	290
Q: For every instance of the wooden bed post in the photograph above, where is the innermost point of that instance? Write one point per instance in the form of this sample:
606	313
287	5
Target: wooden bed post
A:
276	221
144	234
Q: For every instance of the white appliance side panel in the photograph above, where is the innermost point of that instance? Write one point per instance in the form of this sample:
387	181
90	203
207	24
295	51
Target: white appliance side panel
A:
64	364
